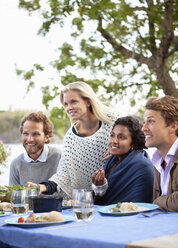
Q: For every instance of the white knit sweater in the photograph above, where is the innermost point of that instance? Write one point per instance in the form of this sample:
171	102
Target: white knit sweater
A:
81	157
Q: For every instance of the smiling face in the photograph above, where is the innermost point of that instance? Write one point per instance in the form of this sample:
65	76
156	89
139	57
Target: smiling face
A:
120	141
157	133
33	138
75	106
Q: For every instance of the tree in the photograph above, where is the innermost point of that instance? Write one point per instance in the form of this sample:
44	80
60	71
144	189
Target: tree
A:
129	45
4	153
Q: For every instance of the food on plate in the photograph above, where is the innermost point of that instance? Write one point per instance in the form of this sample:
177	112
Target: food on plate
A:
2	212
67	203
125	207
21	220
5	206
31	218
128	207
52	216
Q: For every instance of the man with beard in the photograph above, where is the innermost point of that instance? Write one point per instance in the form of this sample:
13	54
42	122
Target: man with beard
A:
40	161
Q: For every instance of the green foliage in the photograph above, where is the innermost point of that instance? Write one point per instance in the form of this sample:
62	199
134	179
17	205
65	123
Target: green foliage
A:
60	120
30	5
48	96
28	75
120	45
66	57
4	153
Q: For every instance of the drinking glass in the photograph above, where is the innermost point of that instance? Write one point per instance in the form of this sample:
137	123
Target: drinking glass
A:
19	202
82	205
32	192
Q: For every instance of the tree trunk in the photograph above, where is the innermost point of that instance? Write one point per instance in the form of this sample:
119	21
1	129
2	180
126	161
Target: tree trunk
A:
165	80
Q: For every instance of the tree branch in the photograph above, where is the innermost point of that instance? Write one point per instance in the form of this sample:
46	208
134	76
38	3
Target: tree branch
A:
129	54
168	34
140	9
151	26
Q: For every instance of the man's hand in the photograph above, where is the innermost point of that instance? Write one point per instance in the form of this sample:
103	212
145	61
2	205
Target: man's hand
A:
42	187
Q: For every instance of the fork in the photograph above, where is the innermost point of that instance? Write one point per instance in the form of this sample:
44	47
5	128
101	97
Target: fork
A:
152	214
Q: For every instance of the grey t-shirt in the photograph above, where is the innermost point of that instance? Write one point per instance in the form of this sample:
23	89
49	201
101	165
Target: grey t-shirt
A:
22	172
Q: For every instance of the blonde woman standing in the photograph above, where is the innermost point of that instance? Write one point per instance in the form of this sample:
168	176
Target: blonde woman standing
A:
85	143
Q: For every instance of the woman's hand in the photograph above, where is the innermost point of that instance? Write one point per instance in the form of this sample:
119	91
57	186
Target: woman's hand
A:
42	187
107	155
98	178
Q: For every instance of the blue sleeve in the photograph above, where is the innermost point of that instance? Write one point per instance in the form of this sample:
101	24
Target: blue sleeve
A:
51	187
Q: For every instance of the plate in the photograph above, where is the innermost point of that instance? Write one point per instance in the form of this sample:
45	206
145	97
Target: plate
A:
66	207
13	221
143	207
5	214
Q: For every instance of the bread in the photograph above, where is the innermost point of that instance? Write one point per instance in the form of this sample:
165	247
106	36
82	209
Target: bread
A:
52	216
5	206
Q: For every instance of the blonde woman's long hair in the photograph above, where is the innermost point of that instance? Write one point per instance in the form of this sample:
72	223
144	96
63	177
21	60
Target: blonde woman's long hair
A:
101	111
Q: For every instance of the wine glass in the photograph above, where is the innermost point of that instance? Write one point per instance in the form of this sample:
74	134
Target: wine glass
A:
19	202
82	205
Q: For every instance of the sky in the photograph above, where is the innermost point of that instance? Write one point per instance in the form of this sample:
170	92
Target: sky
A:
21	47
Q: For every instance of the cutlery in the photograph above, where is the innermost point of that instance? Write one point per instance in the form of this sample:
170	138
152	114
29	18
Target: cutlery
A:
152	214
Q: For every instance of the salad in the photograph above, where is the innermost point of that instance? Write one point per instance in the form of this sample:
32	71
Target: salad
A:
6	191
2	212
116	209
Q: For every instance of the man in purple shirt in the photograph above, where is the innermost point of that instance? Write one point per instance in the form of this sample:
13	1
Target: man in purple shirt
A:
161	131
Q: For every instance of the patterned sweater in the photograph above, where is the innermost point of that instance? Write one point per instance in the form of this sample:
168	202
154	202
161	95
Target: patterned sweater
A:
81	157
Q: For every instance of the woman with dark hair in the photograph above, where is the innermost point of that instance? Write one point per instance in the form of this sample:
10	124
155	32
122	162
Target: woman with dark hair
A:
128	173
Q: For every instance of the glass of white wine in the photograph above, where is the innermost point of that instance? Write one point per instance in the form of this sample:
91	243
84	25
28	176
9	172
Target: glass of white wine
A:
19	202
82	205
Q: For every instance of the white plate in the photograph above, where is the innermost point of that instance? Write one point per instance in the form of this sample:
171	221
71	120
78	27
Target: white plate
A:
14	221
5	214
143	207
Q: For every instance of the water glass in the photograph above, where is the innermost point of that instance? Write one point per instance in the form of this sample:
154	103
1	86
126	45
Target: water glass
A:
82	205
32	192
19	202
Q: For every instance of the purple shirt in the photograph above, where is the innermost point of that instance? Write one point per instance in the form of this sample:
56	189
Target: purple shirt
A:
165	173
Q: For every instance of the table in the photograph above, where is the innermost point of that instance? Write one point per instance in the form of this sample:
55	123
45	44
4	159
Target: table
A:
102	232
